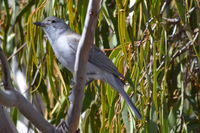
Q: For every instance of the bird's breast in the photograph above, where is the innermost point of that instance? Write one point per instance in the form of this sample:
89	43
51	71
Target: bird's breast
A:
64	53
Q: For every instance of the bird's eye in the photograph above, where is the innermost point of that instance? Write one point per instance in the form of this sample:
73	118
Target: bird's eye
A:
53	21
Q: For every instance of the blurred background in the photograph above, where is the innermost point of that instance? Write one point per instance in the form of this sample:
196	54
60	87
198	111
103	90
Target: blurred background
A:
155	44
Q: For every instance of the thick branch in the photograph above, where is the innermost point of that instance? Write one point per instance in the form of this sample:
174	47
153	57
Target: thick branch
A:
6	125
12	98
84	46
6	73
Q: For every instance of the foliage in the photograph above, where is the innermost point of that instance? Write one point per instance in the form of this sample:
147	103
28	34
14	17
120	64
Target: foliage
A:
155	44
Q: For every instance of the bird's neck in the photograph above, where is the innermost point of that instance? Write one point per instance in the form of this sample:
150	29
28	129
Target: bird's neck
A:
53	36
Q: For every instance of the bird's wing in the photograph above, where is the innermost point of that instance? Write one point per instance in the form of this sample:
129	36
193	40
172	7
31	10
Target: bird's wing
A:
96	56
99	59
72	39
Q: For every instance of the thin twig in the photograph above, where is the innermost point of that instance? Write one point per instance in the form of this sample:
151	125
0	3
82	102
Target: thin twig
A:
183	49
18	50
180	52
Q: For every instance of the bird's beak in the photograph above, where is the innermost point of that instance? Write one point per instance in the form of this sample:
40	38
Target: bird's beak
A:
41	24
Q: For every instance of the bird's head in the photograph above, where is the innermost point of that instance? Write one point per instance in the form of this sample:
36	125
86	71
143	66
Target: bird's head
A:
53	26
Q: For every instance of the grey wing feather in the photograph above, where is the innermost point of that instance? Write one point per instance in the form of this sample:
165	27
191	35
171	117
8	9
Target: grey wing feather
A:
73	39
98	58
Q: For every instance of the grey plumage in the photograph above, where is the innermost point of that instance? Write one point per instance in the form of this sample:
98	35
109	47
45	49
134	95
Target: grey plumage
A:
64	42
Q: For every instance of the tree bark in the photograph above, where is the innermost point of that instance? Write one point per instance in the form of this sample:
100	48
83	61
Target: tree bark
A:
84	46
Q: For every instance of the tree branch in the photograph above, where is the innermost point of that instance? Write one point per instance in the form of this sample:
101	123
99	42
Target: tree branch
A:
84	46
6	125
12	98
6	73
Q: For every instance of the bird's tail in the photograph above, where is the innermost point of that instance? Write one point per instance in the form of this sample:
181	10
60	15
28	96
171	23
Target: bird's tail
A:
117	84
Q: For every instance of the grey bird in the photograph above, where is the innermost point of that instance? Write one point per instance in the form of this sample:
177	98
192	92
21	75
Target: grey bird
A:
64	42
